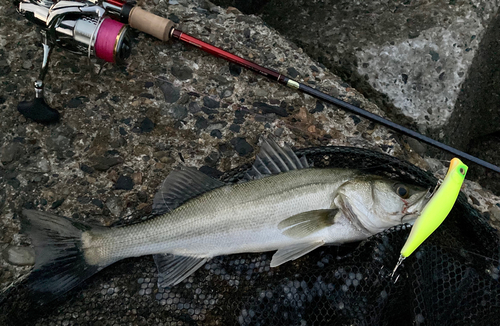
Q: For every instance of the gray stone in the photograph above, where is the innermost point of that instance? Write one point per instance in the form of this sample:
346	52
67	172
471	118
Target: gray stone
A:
27	64
210	102
261	92
174	18
78	101
495	212
170	92
103	163
318	108
201	123
184	99
212	158
292	72
241	146
19	256
4	68
178	112
97	202
216	133
58	202
84	200
435	165
11	152
416	146
278	132
265	108
182	72
43	165
124	183
235	128
234	69
114	204
60	141
87	169
227	93
147	125
3	198
216	125
194	107
208	111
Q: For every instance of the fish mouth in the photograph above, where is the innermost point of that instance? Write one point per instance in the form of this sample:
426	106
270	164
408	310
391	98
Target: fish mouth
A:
416	207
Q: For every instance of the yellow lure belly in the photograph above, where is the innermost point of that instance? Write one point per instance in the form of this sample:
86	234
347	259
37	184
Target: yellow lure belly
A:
438	207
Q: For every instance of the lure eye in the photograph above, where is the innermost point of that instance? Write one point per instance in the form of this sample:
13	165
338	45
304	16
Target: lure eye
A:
402	191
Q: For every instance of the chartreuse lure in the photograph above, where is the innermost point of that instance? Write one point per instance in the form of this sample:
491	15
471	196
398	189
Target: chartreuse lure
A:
436	210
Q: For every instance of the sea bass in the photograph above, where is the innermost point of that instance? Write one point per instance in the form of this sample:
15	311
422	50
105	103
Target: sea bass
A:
285	205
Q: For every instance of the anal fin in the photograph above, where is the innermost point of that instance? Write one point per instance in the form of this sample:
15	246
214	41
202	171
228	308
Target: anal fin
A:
291	253
173	269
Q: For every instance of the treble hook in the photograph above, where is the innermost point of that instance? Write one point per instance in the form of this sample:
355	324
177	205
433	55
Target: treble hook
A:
400	260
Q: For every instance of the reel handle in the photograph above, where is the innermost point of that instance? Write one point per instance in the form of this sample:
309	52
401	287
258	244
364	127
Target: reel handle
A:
38	110
151	24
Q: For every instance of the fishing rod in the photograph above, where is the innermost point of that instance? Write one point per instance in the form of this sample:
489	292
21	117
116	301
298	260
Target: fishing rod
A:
101	31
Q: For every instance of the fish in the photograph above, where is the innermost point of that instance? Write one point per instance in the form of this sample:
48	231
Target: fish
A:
284	205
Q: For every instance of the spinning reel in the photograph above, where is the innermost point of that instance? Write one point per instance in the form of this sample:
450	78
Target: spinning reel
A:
81	27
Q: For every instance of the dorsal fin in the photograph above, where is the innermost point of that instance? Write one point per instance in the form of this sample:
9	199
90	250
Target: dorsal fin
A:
273	159
180	186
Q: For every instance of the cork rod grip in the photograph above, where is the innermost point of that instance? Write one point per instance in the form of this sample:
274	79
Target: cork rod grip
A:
151	24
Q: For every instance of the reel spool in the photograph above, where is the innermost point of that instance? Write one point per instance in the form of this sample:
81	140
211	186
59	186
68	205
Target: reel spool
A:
81	27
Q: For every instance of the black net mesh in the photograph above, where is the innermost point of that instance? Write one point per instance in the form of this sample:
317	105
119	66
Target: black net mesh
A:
452	279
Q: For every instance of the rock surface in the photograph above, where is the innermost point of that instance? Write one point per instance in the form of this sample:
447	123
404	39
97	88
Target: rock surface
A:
416	53
133	124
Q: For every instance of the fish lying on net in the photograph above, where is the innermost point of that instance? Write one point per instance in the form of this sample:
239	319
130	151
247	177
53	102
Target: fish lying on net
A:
444	283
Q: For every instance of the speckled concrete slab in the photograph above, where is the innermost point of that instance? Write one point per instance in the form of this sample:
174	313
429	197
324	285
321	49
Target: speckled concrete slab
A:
413	55
124	128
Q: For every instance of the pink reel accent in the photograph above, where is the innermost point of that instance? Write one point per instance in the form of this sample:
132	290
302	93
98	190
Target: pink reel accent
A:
107	37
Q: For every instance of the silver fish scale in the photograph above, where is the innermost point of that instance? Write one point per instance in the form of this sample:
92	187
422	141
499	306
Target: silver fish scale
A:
230	219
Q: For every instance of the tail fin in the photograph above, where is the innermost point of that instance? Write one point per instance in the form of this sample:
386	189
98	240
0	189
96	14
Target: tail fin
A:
59	257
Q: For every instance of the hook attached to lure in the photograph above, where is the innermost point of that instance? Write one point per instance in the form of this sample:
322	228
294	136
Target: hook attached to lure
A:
436	210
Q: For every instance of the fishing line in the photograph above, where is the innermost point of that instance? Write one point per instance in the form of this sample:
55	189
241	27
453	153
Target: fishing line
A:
107	35
477	254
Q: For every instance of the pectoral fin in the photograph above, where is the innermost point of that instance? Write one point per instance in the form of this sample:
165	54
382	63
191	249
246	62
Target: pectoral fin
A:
174	269
301	225
291	253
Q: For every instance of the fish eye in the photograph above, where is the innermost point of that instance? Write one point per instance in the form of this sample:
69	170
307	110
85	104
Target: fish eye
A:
402	191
